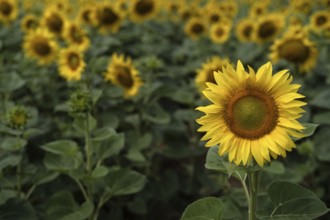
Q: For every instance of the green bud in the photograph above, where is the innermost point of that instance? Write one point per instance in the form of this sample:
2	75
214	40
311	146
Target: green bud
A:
17	117
80	102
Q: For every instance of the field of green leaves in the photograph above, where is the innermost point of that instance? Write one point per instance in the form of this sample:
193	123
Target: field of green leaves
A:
98	109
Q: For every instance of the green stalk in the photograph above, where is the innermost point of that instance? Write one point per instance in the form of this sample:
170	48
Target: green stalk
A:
87	144
253	186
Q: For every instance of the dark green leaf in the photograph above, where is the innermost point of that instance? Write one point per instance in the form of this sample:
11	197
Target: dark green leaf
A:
209	208
62	147
15	209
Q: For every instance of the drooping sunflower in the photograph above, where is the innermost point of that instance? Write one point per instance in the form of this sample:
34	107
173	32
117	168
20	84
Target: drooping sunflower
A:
220	32
320	20
252	115
76	35
40	45
8	11
141	10
71	63
295	47
121	72
244	30
54	21
106	17
205	74
195	27
268	27
29	22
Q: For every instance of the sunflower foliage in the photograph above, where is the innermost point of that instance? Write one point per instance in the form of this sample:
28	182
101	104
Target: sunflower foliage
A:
98	109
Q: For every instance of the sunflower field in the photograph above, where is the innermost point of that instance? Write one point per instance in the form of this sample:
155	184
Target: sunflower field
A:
164	109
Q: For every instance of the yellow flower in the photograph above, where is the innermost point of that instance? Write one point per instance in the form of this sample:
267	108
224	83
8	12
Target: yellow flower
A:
107	18
188	11
252	115
76	36
302	6
54	21
205	74
295	47
85	14
258	8
141	10
320	20
172	9
229	8
195	27
40	45
29	22
220	32
8	11
71	63
268	27
244	30
121	72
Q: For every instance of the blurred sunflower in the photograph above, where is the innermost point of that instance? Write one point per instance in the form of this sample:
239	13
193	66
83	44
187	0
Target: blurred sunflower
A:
29	22
219	33
302	6
172	8
244	30
195	27
205	74
121	72
76	35
188	11
320	20
229	8
85	14
39	44
71	63
107	18
258	8
268	27
215	16
295	47
8	11
54	21
252	115
141	10
122	6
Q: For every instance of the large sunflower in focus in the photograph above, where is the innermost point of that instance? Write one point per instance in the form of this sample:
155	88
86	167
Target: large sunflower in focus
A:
205	74
268	27
40	45
71	63
76	35
8	11
252	115
141	10
121	72
296	48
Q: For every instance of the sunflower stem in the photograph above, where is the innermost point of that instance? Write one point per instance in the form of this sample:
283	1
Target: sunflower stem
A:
253	186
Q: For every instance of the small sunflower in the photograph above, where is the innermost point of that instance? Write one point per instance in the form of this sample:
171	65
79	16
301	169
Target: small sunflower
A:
302	6
229	8
295	47
85	14
40	45
71	63
8	11
54	21
253	115
141	10
121	72
268	27
205	74
244	30
188	11
75	35
219	33
29	22
320	20
107	18
258	9
195	27
172	8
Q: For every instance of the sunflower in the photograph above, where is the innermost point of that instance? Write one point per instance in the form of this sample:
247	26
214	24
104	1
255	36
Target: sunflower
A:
54	21
172	9
295	47
258	9
252	115
188	11
29	22
229	8
195	27
107	18
71	63
75	35
268	27
302	6
141	10
244	30
8	11
205	74
219	33
39	44
320	20
85	14
121	72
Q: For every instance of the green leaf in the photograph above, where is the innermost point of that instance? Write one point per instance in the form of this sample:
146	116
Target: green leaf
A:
156	114
9	160
108	144
15	209
62	147
275	167
125	182
322	100
62	163
209	208
96	95
13	144
6	194
293	202
80	123
60	205
10	82
99	171
82	213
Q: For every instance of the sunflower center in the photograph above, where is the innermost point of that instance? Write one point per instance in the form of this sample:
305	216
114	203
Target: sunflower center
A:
86	16
321	20
107	16
197	28
42	47
5	8
247	31
251	114
267	29
219	31
144	7
55	23
294	51
124	76
73	61
31	24
214	18
76	35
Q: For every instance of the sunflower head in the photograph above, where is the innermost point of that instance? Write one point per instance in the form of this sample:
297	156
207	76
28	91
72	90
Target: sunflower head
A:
80	102
244	30
219	33
8	11
76	35
142	10
195	27
85	14
54	21
17	117
71	63
121	72
29	22
320	20
268	27
252	115
107	18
